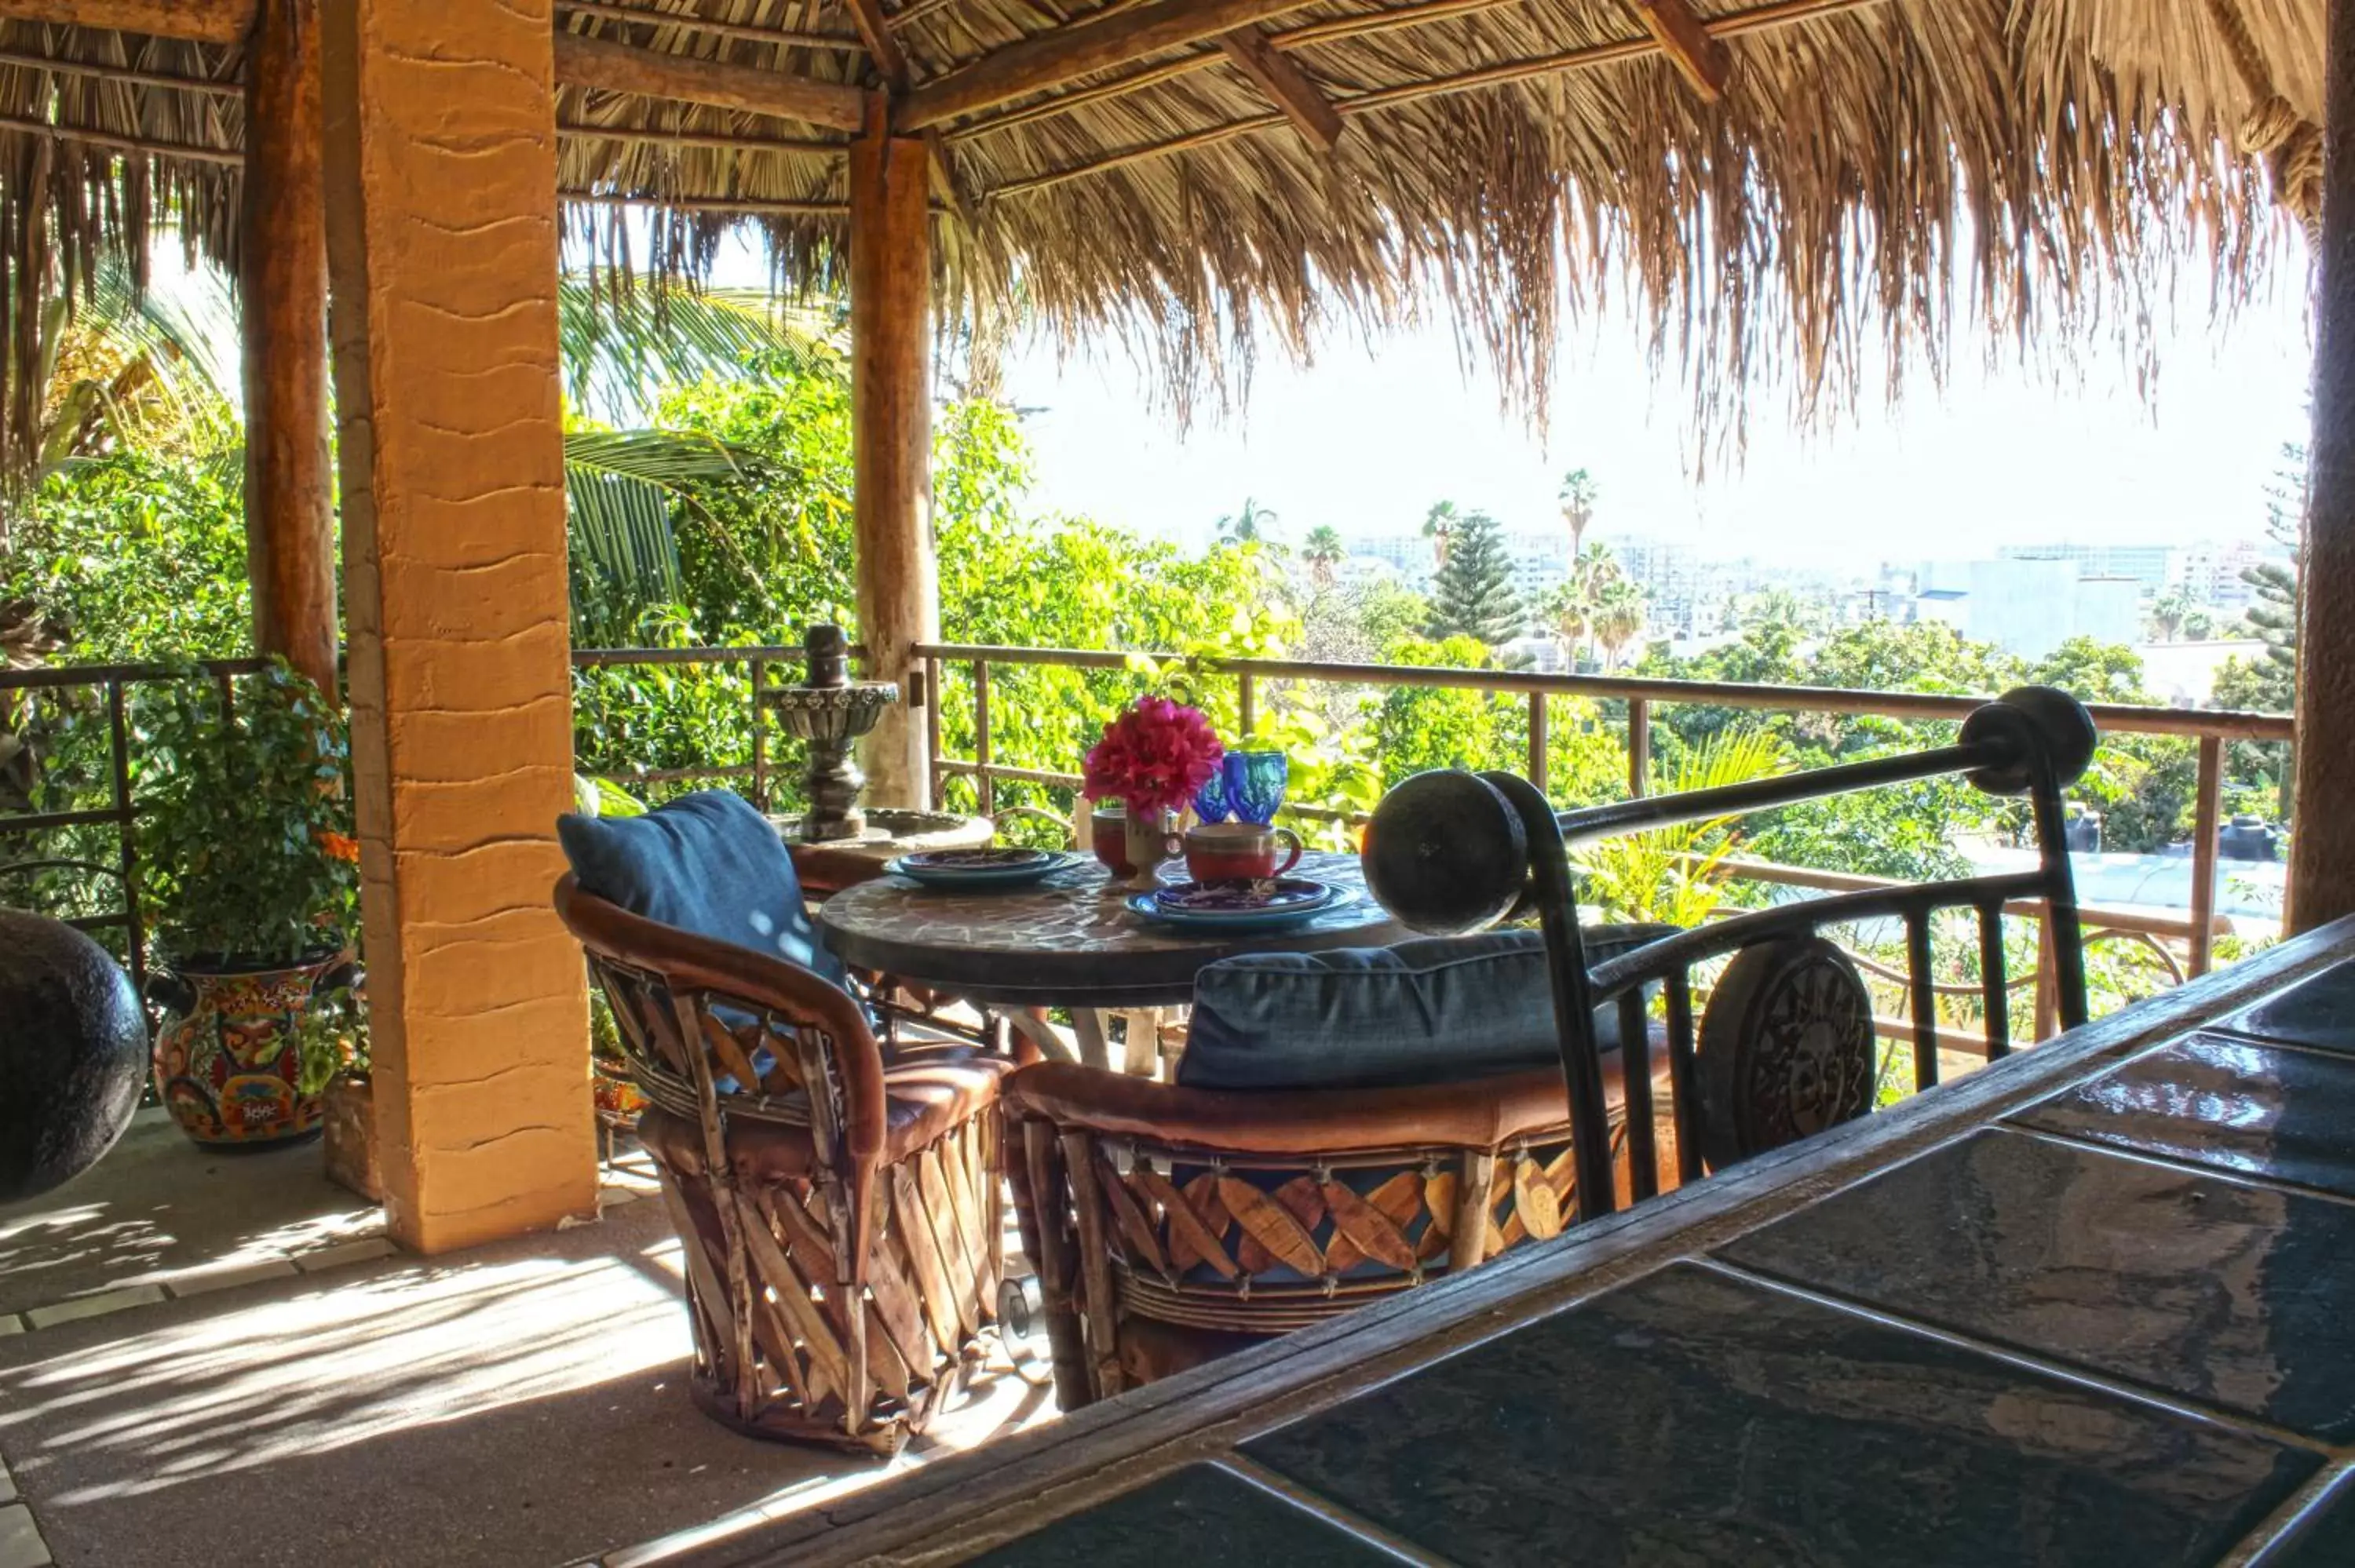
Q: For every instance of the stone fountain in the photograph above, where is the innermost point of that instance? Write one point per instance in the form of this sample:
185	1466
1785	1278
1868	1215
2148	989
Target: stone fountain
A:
832	713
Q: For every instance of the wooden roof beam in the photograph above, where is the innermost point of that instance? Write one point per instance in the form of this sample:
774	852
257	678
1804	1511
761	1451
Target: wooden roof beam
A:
1704	61
1286	86
891	60
617	67
639	16
206	21
1051	60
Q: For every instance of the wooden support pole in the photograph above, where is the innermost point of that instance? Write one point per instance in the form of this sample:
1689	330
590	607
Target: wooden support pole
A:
207	21
289	524
1702	60
2207	813
2322	836
1078	49
892	440
442	245
617	67
1285	85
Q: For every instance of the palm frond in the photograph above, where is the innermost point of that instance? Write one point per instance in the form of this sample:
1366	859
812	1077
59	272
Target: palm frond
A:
622	345
622	490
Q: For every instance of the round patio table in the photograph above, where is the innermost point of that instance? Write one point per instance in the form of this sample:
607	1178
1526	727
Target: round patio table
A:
1071	940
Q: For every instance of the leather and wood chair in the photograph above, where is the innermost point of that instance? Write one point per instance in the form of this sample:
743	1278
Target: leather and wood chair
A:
839	1204
1345	1126
1170	1224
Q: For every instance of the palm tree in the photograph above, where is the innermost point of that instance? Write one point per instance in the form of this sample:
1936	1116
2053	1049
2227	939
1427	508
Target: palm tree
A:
1323	551
1618	618
1577	495
1439	527
1571	611
2169	612
1254	525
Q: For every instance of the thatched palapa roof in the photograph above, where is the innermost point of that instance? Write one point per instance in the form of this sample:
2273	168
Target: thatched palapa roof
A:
1792	186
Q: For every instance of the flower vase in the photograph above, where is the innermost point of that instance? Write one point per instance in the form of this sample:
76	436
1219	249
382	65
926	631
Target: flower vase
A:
1151	842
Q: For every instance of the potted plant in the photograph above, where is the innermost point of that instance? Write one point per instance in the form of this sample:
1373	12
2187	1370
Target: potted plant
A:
246	857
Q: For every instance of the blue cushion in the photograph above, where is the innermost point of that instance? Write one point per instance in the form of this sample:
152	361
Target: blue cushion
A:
706	863
1436	1010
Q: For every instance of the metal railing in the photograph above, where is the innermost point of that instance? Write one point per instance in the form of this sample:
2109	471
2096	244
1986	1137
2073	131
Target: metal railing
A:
2213	728
111	683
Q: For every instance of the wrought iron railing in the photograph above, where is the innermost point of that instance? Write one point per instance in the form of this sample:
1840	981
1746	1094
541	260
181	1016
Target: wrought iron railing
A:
1641	696
108	685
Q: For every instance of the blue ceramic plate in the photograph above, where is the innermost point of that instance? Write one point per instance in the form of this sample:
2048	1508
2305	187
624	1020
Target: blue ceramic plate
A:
1007	868
1257	906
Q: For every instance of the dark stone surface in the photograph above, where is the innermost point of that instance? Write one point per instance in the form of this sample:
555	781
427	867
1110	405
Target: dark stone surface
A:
2221	1291
1070	938
2326	1538
2315	1012
1695	1418
73	1054
2213	1099
1201	1515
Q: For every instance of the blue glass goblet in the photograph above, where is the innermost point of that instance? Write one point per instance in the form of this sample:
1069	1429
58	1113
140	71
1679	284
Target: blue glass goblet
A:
1211	803
1256	781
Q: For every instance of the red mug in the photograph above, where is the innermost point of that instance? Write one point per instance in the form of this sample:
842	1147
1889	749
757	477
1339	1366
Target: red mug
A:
1238	852
1108	836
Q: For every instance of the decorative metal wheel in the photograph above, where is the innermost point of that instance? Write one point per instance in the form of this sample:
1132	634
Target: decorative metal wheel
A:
1785	1048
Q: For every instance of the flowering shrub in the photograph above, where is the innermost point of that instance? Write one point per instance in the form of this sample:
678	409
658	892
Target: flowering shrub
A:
1154	757
246	851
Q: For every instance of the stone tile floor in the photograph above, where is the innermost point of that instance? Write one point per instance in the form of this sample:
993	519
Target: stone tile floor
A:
215	1359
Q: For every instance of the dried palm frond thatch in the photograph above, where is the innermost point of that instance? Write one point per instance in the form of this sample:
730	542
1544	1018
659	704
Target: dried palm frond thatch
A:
1874	171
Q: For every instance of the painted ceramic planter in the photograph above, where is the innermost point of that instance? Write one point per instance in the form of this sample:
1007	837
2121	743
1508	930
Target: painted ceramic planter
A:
227	1060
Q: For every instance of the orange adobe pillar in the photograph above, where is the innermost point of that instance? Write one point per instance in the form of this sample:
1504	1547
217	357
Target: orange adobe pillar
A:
440	176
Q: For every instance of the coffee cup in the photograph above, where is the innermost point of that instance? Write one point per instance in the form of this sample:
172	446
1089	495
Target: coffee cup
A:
1238	852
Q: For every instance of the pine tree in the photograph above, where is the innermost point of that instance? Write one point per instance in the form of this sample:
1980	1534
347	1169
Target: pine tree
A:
1473	595
2274	613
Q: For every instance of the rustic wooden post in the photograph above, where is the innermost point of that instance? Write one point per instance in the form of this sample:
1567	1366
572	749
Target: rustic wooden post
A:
282	281
2322	854
891	438
442	249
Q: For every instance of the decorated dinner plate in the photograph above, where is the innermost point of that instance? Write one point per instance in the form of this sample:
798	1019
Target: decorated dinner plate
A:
1257	906
1004	866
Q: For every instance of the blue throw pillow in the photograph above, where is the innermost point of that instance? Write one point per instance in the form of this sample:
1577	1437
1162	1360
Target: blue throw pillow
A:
1436	1010
706	863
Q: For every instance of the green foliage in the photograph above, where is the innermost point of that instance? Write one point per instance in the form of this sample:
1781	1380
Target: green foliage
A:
245	846
1677	874
1473	594
1421	727
140	554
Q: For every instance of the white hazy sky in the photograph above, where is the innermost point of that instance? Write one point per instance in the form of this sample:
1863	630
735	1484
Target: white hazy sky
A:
1365	440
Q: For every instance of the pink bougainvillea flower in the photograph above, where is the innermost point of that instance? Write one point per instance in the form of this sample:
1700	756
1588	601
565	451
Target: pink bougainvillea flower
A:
1154	757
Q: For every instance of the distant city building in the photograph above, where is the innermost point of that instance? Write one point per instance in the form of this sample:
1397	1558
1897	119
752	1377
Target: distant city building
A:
1541	565
2153	567
2212	574
2029	606
1365	571
1411	556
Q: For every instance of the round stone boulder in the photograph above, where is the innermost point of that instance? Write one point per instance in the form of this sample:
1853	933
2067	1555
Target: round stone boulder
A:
73	1054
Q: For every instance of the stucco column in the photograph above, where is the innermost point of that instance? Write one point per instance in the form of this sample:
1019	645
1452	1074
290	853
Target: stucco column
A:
891	443
442	254
2322	858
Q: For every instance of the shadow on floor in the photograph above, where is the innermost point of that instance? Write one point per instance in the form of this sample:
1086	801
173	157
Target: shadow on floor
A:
521	1403
158	1205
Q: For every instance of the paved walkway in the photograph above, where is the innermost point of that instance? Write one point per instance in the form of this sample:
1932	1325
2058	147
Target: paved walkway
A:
213	1359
